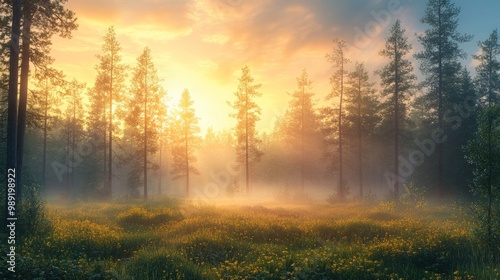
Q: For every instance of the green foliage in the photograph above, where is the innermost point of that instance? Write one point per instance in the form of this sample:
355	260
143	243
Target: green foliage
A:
32	216
246	113
413	196
483	152
185	140
144	118
155	264
41	268
136	217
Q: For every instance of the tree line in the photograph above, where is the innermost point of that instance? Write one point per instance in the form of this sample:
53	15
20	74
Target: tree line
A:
361	135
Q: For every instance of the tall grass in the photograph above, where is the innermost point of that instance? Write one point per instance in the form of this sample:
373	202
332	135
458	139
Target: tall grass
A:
132	240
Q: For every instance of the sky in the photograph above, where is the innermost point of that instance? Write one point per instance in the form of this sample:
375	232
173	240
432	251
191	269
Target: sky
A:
201	45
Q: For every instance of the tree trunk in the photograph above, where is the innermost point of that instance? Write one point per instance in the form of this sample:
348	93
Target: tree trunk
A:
23	94
341	172
45	116
396	121
12	98
146	136
186	154
440	110
302	142
490	179
247	175
159	171
73	147
360	144
110	132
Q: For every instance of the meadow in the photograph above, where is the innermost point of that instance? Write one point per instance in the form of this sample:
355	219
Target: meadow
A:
175	239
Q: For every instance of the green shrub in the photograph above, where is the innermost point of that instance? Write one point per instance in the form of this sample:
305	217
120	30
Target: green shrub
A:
162	264
138	216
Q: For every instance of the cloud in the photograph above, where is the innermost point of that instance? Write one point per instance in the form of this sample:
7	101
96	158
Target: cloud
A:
171	17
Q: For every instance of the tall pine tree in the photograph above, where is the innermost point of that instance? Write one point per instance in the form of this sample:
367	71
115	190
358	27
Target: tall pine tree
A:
185	140
397	82
440	64
109	88
302	126
247	114
362	106
146	112
338	59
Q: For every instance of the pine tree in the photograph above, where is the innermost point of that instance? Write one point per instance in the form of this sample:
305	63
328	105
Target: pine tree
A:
247	114
439	62
185	140
145	118
484	150
110	84
488	70
302	125
362	107
40	21
397	82
339	61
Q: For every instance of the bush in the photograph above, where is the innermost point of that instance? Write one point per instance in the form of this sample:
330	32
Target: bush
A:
137	217
161	264
32	216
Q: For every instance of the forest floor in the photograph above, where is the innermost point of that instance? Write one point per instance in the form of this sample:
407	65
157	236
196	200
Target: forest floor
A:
174	239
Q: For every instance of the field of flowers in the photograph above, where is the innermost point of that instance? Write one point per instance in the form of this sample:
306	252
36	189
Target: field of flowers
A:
166	239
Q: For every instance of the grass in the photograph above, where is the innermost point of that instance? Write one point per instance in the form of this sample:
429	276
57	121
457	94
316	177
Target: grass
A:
167	239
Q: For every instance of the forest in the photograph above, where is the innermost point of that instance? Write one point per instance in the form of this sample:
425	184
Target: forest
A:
379	159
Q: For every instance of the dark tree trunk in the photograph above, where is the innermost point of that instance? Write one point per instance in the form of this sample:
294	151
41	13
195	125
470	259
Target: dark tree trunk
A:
247	169
45	116
12	98
440	109
23	94
341	171
360	143
110	132
396	120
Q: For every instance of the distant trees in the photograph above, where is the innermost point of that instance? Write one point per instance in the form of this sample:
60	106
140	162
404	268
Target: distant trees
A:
362	105
144	120
108	90
50	85
397	83
73	131
354	117
247	114
439	62
339	61
301	124
185	140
